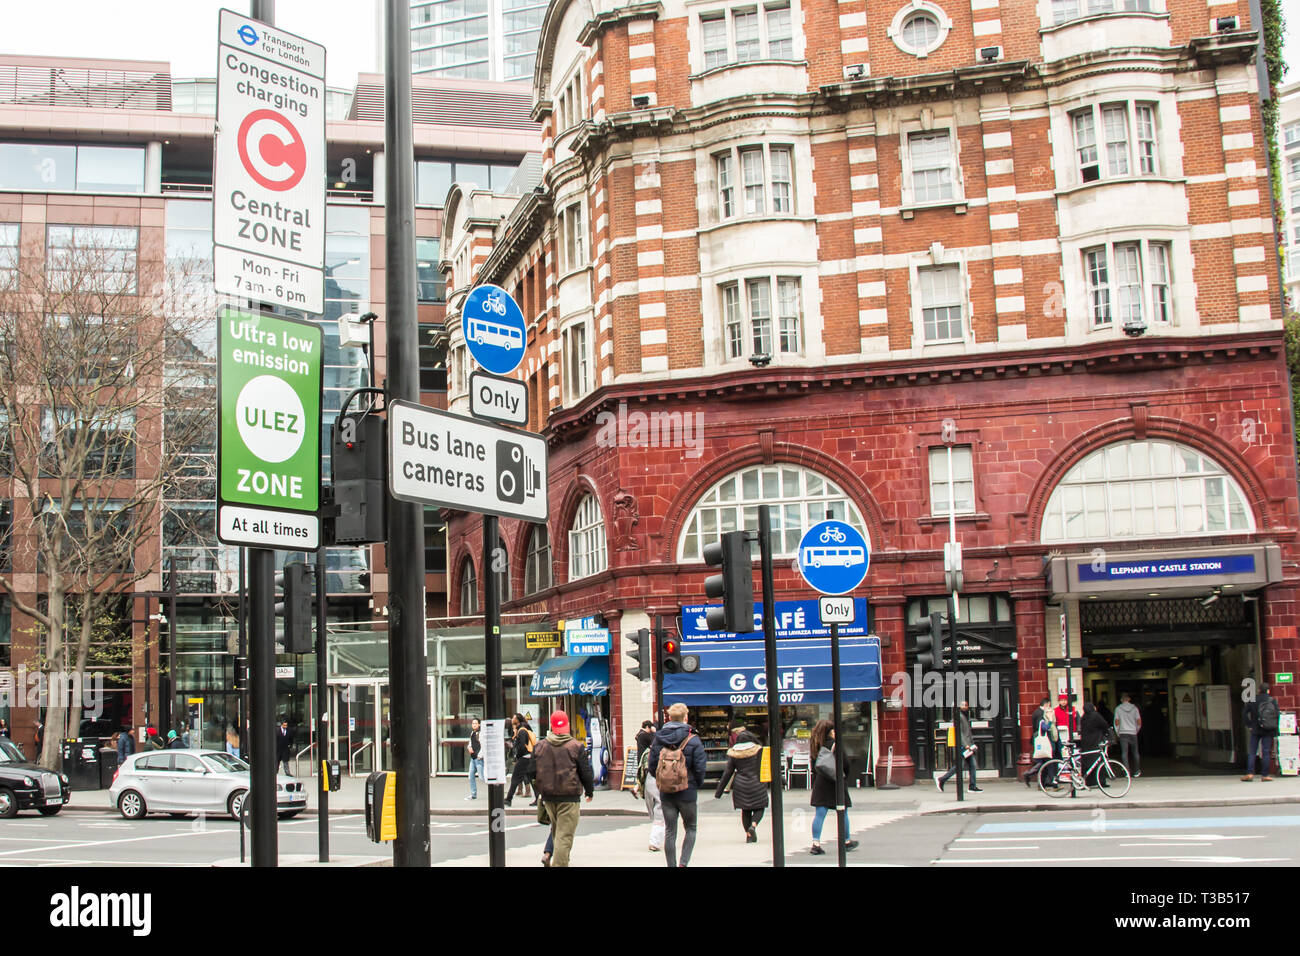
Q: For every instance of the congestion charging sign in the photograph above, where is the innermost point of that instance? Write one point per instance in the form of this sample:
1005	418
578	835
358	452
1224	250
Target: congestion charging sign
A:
268	431
268	214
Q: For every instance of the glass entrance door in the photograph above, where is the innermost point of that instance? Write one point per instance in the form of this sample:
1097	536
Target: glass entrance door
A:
361	728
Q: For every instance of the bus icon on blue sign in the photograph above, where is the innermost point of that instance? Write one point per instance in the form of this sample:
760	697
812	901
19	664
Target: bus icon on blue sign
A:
833	557
494	329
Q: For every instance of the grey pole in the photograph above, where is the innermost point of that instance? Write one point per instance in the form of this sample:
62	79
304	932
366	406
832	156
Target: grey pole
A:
408	671
773	681
322	713
496	702
261	564
841	813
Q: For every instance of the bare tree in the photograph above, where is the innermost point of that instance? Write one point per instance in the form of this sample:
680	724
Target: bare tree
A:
106	390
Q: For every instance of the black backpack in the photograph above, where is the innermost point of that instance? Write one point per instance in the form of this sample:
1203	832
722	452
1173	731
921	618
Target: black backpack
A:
1266	715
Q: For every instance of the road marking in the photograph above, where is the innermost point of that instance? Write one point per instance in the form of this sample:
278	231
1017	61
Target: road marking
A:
32	839
1020	860
1131	823
97	843
1004	849
1115	836
1149	845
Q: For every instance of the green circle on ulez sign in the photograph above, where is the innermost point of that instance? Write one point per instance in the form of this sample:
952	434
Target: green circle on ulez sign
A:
270	411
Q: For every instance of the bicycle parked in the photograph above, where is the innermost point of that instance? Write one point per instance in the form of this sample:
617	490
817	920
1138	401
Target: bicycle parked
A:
1109	776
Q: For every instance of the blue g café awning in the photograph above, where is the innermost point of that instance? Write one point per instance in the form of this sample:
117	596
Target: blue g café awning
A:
732	672
572	674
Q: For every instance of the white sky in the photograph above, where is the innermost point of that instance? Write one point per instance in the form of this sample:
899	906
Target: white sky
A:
184	32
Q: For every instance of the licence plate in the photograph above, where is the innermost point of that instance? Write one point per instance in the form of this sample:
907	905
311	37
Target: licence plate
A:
55	800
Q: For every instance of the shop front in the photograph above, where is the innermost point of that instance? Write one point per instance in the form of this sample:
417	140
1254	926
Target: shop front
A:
1179	632
359	695
729	689
578	684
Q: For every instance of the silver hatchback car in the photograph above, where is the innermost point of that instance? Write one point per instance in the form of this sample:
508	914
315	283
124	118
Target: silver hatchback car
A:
193	781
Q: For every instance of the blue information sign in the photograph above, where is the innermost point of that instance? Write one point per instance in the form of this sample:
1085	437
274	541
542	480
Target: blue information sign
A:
494	329
794	619
1167	568
833	557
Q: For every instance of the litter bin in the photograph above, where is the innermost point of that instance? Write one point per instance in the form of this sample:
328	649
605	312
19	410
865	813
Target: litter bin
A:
107	767
81	762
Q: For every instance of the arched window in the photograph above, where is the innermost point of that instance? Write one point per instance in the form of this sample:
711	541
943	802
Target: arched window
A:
797	498
587	540
537	565
468	588
1141	489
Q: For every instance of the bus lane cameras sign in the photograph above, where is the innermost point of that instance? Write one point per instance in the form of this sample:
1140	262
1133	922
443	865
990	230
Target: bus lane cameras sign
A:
269	431
269	168
437	458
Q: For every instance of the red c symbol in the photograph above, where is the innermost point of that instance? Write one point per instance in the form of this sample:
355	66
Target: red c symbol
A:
278	159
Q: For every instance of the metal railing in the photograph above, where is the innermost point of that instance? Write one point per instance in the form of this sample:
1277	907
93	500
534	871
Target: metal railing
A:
352	755
82	88
297	760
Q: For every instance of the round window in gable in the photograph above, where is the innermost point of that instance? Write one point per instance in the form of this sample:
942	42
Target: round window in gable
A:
919	28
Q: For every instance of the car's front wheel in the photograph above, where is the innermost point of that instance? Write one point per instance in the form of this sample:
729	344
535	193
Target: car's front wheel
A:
131	805
235	805
8	803
50	811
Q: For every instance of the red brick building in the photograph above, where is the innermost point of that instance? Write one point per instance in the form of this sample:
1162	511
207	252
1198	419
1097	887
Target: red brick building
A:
841	240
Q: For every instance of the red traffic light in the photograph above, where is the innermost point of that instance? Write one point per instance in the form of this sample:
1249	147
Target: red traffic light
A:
670	647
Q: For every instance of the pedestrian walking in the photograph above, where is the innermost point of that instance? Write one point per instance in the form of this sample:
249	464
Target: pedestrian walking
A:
232	742
1261	717
1043	742
125	746
174	741
643	739
4	728
748	792
1067	719
283	746
648	790
474	754
1128	723
563	777
822	743
677	762
1093	731
965	750
525	741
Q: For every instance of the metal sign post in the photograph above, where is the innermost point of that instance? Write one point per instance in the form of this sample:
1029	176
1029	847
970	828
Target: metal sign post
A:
496	703
772	682
407	662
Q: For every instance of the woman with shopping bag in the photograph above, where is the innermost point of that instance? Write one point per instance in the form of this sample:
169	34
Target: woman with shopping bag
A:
1043	741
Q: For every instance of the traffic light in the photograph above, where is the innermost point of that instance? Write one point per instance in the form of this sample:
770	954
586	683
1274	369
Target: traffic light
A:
735	585
670	653
241	674
640	652
929	643
357	480
295	608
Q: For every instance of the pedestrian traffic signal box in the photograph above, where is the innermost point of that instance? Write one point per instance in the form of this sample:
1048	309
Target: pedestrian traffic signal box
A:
929	643
670	653
296	607
735	585
639	651
241	674
357	480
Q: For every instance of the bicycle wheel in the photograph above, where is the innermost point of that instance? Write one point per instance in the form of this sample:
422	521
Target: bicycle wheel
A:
1113	778
1050	779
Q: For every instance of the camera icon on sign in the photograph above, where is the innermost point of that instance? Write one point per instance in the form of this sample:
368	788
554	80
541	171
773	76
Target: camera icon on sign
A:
517	475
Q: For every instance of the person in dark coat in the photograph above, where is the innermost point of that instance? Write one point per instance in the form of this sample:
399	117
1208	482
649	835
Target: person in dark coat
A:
1092	735
645	736
748	792
125	746
284	746
823	788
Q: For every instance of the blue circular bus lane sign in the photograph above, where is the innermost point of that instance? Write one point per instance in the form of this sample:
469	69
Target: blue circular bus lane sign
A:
833	557
494	329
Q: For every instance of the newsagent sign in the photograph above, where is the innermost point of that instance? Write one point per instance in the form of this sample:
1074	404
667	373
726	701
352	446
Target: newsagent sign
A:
268	431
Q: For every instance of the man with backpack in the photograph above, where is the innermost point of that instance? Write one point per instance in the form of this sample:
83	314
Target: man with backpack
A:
563	777
1262	718
677	762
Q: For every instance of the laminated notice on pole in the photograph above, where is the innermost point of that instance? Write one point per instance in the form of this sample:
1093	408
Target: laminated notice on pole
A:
494	751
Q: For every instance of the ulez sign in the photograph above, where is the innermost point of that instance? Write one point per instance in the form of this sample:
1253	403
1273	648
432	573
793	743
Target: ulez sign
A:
268	436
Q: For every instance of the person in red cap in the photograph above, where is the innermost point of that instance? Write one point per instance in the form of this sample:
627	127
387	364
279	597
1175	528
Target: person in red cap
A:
1064	713
563	777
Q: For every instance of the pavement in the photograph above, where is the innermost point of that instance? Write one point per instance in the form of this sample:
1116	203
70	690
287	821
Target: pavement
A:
447	797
